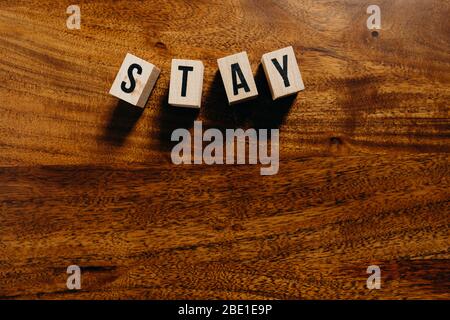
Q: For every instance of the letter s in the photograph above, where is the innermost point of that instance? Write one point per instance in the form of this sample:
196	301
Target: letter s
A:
131	77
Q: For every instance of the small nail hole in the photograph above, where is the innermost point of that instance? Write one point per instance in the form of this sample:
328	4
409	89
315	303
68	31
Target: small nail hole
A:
375	34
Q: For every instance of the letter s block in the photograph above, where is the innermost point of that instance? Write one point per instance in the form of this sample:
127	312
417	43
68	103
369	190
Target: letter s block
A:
135	81
282	72
186	83
237	78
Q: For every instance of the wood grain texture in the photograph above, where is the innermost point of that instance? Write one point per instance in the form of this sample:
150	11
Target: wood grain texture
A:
364	170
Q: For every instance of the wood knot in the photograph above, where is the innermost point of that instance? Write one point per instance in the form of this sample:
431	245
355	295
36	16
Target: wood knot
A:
335	141
161	45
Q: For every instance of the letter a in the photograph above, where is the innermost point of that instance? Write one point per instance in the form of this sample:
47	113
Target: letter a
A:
374	281
74	280
181	153
374	21
74	20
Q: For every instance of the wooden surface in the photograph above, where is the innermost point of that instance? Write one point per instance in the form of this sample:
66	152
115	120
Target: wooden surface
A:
364	171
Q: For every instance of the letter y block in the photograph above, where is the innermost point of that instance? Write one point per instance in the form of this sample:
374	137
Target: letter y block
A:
282	72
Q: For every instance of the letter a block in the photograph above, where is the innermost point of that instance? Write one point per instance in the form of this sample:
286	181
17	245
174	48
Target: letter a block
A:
282	72
237	78
135	81
186	83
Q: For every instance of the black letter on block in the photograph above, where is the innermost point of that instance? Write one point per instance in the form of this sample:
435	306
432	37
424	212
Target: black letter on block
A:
283	70
185	70
131	77
237	72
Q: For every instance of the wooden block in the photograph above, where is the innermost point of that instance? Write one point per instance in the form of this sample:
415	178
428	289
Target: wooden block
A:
135	80
282	72
237	78
186	83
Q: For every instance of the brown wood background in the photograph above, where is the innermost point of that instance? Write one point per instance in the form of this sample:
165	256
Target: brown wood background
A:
364	172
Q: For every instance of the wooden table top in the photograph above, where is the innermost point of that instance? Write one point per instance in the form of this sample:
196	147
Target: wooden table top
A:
364	154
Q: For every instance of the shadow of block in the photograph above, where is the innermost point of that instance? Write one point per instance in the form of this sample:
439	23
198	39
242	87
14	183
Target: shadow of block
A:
122	121
263	112
216	112
170	118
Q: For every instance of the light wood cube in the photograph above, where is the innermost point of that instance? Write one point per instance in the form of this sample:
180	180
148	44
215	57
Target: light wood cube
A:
186	83
237	78
282	72
135	81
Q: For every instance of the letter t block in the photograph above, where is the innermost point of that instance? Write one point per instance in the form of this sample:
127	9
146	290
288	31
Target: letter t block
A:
134	81
186	83
282	72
